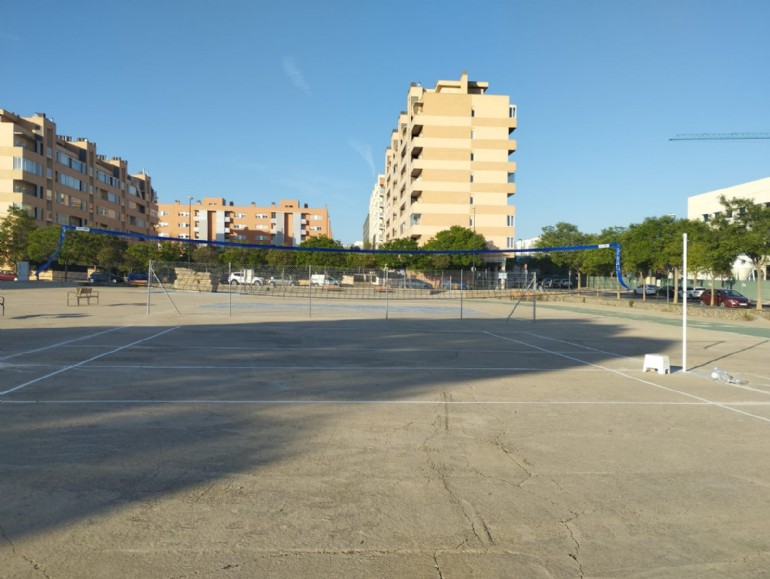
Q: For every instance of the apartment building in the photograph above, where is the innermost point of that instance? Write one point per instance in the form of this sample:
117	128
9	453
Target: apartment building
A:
706	206
374	225
64	181
287	223
448	164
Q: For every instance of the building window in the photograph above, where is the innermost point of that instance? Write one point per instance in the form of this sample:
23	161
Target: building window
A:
511	221
510	242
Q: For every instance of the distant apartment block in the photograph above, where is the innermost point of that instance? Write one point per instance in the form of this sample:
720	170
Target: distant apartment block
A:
706	206
288	223
449	163
375	224
64	181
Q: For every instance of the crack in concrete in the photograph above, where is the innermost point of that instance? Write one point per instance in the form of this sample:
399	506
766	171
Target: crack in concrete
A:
35	565
576	554
438	567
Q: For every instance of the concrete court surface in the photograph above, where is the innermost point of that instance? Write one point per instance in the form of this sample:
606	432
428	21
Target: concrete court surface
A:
270	444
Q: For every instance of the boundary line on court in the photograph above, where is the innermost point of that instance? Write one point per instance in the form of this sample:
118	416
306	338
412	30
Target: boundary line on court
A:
73	366
394	402
647	382
61	344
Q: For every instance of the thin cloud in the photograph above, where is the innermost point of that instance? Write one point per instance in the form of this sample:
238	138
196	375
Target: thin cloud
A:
295	74
366	153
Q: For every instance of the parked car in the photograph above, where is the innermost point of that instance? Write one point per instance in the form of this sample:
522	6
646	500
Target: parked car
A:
450	285
648	289
246	277
668	292
98	277
410	283
696	292
319	279
566	284
137	278
274	281
7	275
726	298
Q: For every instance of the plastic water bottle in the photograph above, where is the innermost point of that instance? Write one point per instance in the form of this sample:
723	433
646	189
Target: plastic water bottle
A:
720	375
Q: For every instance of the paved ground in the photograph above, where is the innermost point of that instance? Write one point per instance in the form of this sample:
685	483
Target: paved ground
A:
253	439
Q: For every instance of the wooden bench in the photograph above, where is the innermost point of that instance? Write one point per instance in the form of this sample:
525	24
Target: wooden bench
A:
81	294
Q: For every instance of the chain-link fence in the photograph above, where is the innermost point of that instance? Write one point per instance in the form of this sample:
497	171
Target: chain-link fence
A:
334	282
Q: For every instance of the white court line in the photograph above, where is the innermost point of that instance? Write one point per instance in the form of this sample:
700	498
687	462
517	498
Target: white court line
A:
72	366
673	390
315	368
390	402
60	344
579	346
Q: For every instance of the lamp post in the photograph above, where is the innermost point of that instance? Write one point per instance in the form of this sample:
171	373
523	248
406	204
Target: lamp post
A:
190	231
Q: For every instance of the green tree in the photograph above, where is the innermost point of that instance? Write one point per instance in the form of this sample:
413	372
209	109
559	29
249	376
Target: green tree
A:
398	260
281	258
637	255
42	243
244	256
205	254
745	228
456	238
706	253
15	229
321	258
138	255
565	235
360	260
602	261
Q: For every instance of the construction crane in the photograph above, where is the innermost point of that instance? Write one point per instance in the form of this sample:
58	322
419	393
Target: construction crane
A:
719	136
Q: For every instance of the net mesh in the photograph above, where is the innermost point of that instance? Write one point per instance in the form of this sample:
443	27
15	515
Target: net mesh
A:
336	282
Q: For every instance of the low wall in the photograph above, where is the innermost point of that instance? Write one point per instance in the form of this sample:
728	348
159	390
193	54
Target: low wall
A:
693	309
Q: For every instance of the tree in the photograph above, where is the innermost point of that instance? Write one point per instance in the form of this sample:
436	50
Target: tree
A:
279	258
42	243
746	228
243	256
398	260
321	258
138	255
456	238
706	253
637	254
15	229
565	235
602	261
360	260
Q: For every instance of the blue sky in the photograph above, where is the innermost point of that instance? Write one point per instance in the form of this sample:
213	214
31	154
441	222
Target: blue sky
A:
267	100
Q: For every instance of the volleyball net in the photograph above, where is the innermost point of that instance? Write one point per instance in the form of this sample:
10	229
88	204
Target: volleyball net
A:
335	272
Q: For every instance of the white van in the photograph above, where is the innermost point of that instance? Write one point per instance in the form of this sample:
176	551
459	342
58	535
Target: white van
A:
321	279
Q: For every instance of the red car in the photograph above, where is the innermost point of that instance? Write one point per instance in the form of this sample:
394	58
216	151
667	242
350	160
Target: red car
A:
6	275
725	298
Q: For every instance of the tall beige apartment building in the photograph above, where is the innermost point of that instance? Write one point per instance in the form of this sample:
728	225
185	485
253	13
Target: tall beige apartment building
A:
287	223
64	181
449	164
